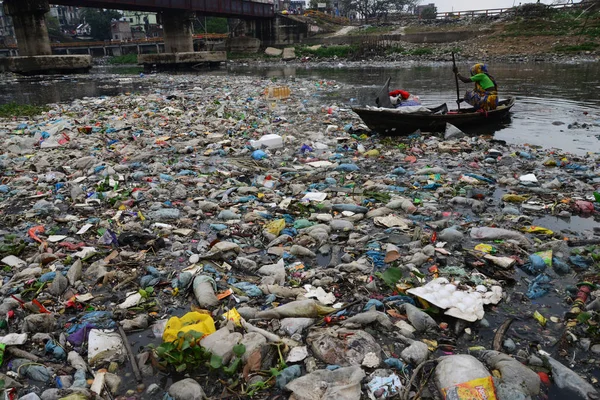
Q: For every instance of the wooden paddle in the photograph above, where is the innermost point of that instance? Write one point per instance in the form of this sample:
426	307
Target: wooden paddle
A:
456	79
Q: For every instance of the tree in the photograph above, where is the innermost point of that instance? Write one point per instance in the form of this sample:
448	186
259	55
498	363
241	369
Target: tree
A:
375	8
99	21
429	12
55	33
211	25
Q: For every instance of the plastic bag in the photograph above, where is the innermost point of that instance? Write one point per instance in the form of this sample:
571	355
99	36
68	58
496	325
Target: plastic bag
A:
347	167
476	389
275	227
488	233
514	198
537	229
485	248
535	265
259	155
538	287
234	316
559	266
192	321
296	309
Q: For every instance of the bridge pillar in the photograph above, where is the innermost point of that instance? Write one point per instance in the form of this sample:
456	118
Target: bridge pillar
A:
178	31
30	26
35	54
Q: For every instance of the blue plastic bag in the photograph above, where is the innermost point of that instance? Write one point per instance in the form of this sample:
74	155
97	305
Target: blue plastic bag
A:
535	266
259	155
538	287
347	167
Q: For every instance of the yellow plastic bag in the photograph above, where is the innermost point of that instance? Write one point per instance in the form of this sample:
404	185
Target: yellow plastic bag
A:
540	318
192	321
546	256
371	153
537	229
278	92
476	389
514	198
275	227
234	316
485	248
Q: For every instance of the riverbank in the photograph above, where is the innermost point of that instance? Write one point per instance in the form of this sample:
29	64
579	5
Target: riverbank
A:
133	209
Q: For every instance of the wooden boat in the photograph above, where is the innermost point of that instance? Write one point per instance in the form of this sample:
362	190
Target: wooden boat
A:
390	120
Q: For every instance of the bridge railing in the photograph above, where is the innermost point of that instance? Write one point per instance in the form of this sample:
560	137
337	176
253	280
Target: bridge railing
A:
489	12
506	11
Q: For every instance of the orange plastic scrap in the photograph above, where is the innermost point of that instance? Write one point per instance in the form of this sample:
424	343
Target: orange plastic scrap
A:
224	294
39	305
32	232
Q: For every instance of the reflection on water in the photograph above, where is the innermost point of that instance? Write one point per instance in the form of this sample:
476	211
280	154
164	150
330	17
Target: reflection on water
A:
546	94
549	96
64	89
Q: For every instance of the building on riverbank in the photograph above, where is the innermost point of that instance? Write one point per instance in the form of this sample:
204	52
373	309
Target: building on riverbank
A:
67	16
143	24
120	30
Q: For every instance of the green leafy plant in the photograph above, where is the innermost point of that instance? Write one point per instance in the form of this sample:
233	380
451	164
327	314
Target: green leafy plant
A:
584	317
238	351
378	196
146	293
11	245
395	50
587	46
390	276
272	373
421	51
185	353
124	59
13	109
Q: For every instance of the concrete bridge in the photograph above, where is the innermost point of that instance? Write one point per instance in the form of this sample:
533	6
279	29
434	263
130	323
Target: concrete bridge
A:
35	52
117	48
215	8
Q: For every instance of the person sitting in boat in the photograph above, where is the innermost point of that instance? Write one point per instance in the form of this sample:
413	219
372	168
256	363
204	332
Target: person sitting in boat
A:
485	94
401	98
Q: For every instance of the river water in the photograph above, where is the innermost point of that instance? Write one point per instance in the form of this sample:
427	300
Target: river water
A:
550	97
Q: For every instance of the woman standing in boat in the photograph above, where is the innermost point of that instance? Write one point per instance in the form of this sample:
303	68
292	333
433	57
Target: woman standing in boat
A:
485	94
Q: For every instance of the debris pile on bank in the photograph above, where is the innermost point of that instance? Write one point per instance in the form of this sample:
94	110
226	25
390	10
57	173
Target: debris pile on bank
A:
241	242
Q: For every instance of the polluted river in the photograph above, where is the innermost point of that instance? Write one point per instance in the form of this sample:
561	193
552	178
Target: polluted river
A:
240	233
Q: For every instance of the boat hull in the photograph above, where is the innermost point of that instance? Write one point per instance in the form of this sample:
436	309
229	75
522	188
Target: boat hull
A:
389	122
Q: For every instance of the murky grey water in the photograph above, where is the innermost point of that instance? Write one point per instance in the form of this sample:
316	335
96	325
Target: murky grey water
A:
546	93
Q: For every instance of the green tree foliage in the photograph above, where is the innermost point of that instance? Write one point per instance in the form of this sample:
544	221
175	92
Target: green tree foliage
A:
375	8
53	25
54	31
211	25
429	12
99	21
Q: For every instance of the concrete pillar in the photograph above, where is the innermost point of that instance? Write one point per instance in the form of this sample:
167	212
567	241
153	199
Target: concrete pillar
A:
30	26
177	31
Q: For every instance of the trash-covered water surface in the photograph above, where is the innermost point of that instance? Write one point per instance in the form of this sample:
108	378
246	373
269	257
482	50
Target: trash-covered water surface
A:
211	240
